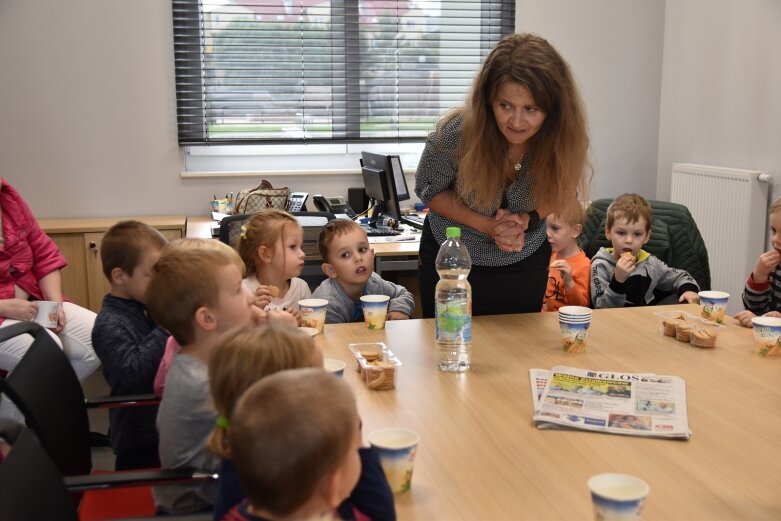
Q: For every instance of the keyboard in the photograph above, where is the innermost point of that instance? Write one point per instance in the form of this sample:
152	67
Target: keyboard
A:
380	231
416	221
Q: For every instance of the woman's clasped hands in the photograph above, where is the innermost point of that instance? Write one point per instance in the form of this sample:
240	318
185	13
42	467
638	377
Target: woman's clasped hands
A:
509	229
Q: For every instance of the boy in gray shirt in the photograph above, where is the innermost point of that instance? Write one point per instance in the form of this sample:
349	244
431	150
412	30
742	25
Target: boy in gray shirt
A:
349	265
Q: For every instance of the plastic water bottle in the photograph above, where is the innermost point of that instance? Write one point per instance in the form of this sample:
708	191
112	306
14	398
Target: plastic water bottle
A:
453	304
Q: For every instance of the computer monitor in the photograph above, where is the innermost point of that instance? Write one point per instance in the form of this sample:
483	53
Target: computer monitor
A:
384	182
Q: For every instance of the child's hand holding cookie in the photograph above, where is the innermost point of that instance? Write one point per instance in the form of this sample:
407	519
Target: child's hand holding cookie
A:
566	272
625	265
264	295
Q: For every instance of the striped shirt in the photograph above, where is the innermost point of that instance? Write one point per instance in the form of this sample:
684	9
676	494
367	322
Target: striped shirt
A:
761	297
438	171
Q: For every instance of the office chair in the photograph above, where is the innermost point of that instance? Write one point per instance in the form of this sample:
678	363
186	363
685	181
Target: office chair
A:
31	486
675	238
45	389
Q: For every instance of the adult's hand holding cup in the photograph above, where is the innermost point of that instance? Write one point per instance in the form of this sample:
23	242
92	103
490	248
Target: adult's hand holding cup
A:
617	497
48	313
397	449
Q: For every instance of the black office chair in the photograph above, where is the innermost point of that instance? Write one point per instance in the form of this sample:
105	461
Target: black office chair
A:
311	222
46	390
31	486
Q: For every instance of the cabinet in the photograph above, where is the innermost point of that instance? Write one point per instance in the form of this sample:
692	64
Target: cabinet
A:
79	240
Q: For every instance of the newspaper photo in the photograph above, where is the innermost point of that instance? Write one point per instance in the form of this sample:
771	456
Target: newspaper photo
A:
635	404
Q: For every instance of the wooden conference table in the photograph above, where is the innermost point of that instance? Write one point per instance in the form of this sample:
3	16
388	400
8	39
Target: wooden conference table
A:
481	457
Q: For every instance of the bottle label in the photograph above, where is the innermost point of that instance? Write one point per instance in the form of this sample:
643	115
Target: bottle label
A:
454	321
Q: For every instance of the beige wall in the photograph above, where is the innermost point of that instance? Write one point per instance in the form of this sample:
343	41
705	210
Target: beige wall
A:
721	86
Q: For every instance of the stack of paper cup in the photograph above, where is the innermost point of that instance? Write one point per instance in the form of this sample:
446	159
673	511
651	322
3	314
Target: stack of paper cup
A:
574	322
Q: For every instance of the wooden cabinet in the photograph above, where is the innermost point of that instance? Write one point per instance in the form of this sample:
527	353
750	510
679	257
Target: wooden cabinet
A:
79	240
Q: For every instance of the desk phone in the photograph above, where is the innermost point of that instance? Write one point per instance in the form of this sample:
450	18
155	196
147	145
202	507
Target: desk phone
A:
298	201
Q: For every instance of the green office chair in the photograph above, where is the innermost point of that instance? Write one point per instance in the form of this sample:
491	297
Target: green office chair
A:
675	238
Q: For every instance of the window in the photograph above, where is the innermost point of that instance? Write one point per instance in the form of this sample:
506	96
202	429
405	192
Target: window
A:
326	71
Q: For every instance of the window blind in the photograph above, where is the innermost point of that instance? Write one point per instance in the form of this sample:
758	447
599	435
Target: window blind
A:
283	71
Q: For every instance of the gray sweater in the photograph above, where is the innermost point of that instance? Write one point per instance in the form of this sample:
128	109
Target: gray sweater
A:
185	420
651	281
341	307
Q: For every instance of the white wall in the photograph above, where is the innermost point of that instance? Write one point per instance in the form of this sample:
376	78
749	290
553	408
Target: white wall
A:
88	107
615	50
721	86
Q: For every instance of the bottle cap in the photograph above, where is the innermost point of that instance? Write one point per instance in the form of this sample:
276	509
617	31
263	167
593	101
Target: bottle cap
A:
453	231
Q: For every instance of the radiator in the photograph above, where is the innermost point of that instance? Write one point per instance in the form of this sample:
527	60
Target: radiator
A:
730	209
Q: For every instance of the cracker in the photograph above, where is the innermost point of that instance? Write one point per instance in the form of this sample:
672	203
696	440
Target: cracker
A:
273	290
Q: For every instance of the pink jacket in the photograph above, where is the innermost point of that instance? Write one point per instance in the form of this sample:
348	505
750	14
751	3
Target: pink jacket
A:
28	254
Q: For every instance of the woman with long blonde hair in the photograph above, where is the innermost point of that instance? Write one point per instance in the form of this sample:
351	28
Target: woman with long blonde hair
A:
516	151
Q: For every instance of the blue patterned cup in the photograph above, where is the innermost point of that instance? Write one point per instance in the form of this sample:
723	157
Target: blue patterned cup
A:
334	366
397	449
617	497
375	310
714	305
767	335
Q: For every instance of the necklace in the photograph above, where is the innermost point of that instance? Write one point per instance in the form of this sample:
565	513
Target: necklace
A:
517	166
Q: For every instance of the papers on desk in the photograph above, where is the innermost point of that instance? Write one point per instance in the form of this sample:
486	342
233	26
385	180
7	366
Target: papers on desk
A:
404	237
635	404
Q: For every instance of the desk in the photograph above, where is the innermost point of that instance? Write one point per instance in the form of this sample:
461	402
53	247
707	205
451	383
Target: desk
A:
389	256
481	457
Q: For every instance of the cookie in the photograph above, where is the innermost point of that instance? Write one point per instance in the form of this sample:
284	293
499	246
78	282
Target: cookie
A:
371	356
273	290
704	338
670	325
628	255
683	331
381	376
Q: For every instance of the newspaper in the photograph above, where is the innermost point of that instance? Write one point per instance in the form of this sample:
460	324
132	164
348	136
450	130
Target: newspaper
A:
635	404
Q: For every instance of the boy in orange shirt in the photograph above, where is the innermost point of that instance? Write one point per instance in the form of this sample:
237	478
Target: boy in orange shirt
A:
569	282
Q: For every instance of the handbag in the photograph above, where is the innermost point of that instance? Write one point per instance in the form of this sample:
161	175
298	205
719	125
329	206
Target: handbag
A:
251	200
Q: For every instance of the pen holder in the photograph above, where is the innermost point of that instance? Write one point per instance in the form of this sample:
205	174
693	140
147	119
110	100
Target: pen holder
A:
222	205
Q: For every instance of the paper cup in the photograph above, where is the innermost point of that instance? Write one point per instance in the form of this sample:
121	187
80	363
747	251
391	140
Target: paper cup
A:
334	366
574	322
308	330
714	305
47	313
397	449
617	497
375	310
313	312
767	335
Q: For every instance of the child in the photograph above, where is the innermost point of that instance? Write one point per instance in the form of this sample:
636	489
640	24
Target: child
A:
349	265
295	437
128	343
627	275
197	295
570	269
171	347
245	357
270	247
762	294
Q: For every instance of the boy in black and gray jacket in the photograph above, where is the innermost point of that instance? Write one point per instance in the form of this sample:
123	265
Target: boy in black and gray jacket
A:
129	344
626	275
